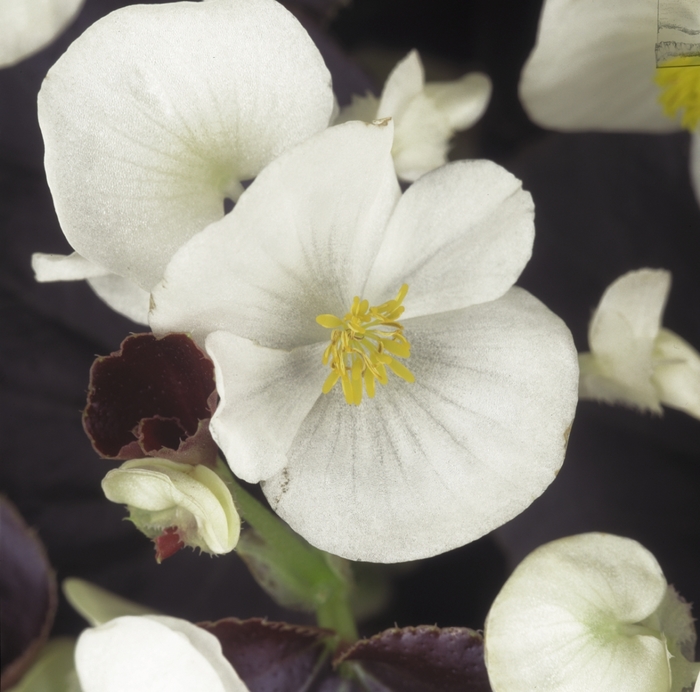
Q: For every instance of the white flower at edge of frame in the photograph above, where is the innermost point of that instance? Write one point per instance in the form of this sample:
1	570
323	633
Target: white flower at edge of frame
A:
633	360
27	26
420	468
425	116
153	653
589	612
154	115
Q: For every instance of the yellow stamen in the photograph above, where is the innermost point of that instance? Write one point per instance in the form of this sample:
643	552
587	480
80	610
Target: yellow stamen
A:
679	79
363	344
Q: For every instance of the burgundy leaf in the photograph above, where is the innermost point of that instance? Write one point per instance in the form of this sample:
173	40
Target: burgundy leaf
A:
27	595
154	397
422	659
272	656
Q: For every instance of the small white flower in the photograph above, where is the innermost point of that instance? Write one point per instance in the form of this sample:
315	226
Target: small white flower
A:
425	116
27	26
589	612
633	360
464	399
154	116
594	68
153	653
186	504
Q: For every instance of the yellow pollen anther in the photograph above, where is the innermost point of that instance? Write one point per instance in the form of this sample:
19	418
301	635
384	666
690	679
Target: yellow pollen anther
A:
679	80
363	345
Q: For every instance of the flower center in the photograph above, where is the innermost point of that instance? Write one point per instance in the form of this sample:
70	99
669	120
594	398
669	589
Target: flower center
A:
679	80
364	344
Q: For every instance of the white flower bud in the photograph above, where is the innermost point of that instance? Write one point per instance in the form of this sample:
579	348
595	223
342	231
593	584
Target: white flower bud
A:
181	503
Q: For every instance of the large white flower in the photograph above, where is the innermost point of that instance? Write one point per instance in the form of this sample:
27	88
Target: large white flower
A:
154	116
299	291
153	653
633	360
425	116
589	612
594	67
27	26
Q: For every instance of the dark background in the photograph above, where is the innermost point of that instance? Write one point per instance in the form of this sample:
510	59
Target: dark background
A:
605	204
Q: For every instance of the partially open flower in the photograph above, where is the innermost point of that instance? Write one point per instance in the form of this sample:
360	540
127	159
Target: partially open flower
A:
426	116
633	360
27	26
589	612
378	371
153	653
176	505
154	116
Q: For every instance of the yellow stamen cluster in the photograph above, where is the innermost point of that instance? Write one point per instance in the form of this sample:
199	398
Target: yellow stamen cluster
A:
679	80
364	344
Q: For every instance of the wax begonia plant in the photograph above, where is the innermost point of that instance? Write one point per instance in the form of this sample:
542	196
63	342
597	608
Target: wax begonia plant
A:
154	116
425	116
590	612
594	67
633	360
396	396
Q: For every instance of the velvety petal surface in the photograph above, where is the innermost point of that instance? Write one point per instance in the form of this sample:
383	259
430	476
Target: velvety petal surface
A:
425	467
622	332
567	620
299	243
26	26
265	394
154	115
677	373
153	654
593	67
459	236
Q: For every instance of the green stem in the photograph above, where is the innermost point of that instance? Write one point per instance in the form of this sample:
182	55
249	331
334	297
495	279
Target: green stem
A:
305	570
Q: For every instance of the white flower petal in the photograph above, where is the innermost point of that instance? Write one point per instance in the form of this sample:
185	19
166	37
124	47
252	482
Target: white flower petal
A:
265	396
425	467
402	85
625	323
73	267
677	373
361	108
154	115
299	243
27	26
566	620
593	67
695	164
461	235
123	296
462	101
153	654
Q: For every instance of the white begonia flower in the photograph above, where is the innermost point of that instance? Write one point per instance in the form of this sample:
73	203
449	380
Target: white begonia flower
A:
27	26
418	467
153	653
154	116
589	612
633	360
162	494
425	116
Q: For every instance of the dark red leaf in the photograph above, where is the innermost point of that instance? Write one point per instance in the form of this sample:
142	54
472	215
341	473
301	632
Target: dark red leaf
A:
27	595
153	397
272	656
422	659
